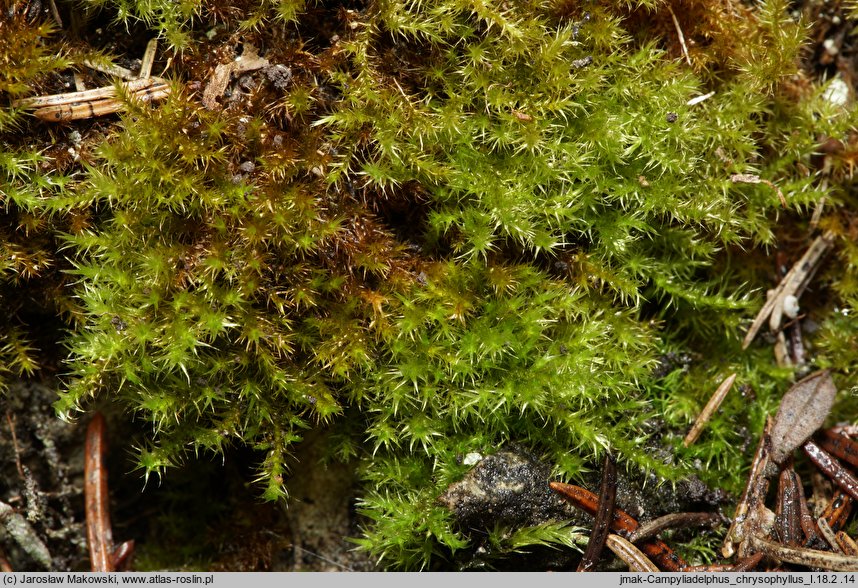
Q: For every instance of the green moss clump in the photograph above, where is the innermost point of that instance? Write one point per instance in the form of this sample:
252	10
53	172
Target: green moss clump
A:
460	224
28	53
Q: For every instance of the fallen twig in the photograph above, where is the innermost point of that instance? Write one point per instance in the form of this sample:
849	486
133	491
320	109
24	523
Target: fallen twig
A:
749	509
838	510
604	517
91	103
840	446
99	533
787	513
630	554
791	285
710	408
148	58
847	544
681	36
811	558
685	520
15	447
829	535
747	564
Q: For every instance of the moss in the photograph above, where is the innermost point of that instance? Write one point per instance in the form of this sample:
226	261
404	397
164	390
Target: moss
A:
457	225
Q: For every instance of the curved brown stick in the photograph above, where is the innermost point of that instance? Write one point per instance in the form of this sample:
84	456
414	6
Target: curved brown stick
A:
98	531
828	535
673	520
812	538
623	524
603	518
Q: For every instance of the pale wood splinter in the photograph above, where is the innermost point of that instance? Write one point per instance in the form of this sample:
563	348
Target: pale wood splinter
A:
100	101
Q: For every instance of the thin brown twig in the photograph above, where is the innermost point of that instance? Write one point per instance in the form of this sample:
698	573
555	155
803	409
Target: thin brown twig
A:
604	517
652	528
710	408
808	524
792	284
840	446
56	13
122	555
98	530
788	513
748	509
681	36
15	447
747	564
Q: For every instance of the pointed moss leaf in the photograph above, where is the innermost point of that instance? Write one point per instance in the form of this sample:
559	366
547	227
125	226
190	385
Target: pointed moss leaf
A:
803	410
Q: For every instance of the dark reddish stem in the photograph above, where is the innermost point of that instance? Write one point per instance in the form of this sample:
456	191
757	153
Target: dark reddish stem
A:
603	518
98	531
